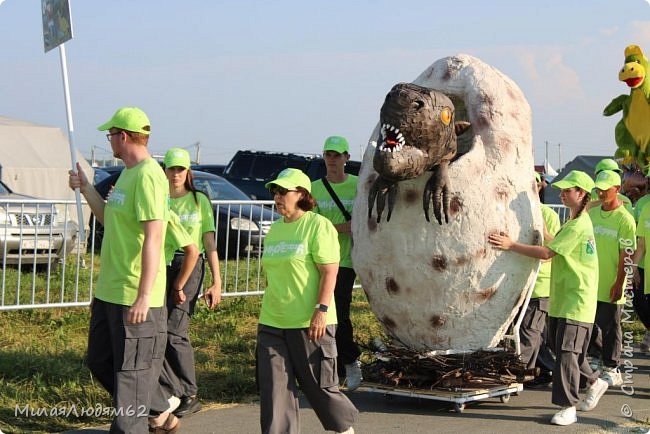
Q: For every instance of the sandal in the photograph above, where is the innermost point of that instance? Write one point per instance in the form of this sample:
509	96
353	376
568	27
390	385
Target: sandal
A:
165	428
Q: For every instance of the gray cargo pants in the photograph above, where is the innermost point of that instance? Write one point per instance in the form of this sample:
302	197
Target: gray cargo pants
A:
285	356
570	339
126	359
178	376
532	328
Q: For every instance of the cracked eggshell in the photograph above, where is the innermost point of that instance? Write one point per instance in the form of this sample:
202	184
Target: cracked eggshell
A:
444	287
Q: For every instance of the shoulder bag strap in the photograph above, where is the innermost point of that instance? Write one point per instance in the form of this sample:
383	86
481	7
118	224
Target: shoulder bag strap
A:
337	201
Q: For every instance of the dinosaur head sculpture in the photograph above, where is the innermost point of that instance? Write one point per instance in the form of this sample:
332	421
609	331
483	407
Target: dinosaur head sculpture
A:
418	134
635	69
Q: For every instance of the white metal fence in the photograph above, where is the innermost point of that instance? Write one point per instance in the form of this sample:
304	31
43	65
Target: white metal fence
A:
45	264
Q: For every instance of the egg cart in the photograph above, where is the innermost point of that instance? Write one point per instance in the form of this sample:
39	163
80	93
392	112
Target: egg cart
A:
462	395
459	396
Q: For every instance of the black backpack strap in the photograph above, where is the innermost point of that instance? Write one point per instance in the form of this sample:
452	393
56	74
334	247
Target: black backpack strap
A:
337	201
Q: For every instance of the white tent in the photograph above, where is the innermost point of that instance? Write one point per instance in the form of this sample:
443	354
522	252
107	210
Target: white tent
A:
549	169
35	159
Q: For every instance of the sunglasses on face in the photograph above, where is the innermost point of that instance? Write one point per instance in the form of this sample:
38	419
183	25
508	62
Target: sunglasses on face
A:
276	189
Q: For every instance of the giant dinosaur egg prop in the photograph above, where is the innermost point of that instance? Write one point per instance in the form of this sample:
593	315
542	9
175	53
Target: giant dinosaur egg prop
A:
443	287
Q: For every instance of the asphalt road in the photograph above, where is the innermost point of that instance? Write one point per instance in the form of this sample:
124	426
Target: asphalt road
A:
529	411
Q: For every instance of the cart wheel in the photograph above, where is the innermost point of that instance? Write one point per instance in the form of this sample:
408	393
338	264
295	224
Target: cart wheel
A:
505	398
459	408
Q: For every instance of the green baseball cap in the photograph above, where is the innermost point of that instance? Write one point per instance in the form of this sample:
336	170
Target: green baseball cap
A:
607	179
607	164
336	144
538	177
575	178
291	178
177	157
129	119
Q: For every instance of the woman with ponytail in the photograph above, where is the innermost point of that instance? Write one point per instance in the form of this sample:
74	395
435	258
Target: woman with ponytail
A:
195	212
572	300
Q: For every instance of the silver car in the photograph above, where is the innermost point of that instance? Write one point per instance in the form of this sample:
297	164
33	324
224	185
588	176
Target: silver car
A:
32	233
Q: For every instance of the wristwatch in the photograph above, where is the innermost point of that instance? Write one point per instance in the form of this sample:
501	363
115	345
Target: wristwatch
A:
322	307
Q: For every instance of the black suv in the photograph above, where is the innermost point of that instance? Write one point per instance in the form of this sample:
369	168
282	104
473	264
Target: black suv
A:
250	170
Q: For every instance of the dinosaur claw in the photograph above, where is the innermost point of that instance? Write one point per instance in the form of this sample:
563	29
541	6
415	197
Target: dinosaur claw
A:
382	191
437	191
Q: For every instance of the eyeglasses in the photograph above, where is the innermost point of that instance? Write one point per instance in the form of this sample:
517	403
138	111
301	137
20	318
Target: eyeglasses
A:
276	189
109	135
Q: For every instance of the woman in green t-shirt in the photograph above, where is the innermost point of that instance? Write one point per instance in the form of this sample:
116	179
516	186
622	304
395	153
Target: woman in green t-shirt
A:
195	213
296	341
572	299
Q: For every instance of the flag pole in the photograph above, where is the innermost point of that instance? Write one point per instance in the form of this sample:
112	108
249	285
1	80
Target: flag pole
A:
73	149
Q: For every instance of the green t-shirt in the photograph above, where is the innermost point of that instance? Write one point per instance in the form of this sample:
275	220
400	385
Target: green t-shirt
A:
291	252
643	230
346	191
626	200
614	231
197	219
140	194
176	237
640	204
574	272
543	283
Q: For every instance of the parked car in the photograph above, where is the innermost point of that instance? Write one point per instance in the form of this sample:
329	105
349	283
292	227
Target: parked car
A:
251	170
215	169
32	233
240	228
100	175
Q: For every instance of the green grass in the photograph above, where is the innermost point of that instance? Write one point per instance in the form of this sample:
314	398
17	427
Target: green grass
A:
42	355
42	358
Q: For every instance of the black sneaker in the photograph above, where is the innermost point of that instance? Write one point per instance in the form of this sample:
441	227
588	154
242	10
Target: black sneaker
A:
189	405
540	382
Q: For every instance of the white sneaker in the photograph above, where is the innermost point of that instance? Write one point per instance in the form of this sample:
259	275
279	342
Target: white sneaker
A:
353	375
174	402
566	416
594	392
612	376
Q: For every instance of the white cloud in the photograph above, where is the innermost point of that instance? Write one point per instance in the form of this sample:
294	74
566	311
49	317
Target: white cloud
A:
640	33
610	31
550	79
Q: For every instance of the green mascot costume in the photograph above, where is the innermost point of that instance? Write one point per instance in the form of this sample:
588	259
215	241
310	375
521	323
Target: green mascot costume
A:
632	133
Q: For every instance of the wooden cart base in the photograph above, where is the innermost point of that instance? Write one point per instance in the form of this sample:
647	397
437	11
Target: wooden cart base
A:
458	396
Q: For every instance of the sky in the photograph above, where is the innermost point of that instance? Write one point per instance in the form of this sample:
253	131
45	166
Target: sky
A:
284	75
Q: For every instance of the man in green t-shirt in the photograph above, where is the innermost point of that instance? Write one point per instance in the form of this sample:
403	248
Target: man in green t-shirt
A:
344	189
615	234
128	324
609	164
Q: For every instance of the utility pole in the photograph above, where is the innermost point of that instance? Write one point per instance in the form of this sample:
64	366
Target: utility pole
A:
197	145
546	159
92	156
559	156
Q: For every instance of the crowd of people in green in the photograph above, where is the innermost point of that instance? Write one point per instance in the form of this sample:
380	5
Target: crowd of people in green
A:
571	329
160	232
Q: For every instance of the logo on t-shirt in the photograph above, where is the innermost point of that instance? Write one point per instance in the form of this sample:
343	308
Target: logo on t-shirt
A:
591	247
602	230
192	217
285	248
117	197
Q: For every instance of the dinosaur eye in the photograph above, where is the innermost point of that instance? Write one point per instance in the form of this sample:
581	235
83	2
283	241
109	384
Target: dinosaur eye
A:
445	115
